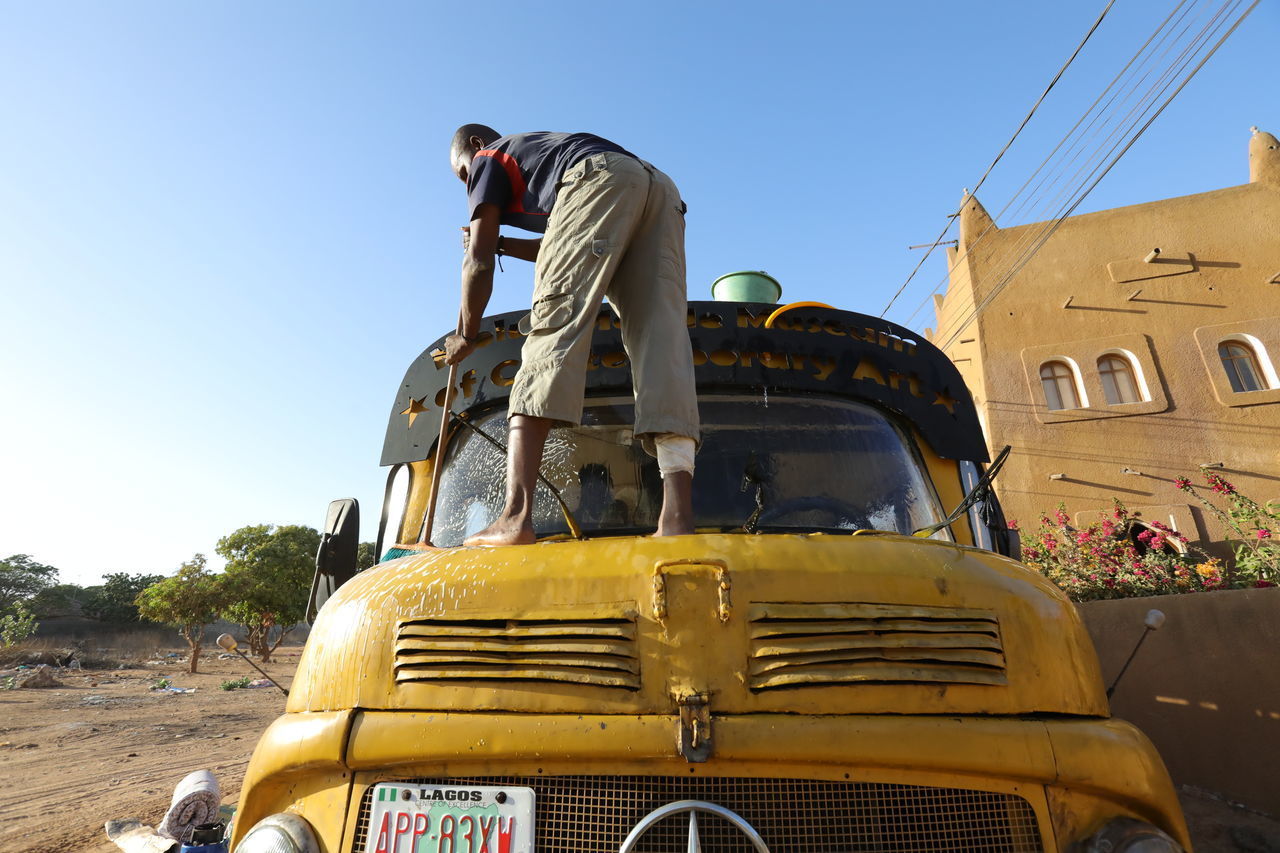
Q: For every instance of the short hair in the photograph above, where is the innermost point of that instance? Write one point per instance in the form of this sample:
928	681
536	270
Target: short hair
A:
461	135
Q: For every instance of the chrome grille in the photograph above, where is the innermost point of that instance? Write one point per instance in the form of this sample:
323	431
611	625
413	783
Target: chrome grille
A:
799	645
593	814
599	651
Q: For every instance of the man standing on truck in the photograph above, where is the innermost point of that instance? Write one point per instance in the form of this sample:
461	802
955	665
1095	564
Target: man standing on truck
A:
613	226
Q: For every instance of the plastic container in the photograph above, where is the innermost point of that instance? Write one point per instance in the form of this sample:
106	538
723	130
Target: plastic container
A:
746	286
207	838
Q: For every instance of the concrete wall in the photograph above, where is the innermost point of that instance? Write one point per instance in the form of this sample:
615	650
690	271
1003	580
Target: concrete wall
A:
1205	688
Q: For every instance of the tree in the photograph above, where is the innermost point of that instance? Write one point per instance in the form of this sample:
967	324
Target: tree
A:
268	579
366	556
21	579
114	600
190	601
61	599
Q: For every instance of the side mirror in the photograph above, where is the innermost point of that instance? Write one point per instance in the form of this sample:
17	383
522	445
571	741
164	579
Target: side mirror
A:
336	557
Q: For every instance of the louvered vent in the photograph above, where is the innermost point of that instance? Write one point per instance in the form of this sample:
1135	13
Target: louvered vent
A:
599	650
801	645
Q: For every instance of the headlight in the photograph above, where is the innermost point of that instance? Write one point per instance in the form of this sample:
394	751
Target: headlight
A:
1128	835
280	833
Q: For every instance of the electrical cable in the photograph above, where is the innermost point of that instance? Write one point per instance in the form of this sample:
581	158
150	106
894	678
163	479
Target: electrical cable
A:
1101	171
1032	240
1113	84
999	156
1161	85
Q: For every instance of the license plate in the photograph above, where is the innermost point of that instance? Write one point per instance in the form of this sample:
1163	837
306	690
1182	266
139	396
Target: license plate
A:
450	819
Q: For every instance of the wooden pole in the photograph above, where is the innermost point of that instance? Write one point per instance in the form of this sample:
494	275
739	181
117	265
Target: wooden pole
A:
438	463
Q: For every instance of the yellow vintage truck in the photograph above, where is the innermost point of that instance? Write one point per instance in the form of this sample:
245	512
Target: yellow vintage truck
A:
843	657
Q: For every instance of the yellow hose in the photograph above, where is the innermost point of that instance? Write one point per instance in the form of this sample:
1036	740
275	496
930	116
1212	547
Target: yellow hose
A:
768	324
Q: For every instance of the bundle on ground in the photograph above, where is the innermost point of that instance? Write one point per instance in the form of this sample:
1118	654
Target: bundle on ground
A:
195	801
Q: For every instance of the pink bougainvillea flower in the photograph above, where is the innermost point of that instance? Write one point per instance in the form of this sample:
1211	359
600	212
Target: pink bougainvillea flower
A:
1263	584
1220	485
1264	533
1182	483
1061	516
1012	524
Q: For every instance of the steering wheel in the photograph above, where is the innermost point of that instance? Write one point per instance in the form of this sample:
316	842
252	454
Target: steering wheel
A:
836	510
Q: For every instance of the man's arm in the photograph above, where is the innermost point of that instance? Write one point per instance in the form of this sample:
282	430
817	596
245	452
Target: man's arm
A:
512	247
524	249
477	280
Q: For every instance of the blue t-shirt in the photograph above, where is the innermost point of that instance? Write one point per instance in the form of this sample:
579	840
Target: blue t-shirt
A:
520	173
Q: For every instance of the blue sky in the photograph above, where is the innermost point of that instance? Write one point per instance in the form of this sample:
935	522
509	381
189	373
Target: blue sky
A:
227	228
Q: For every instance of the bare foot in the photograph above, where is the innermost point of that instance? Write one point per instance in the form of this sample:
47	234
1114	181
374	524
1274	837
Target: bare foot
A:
673	524
504	531
673	530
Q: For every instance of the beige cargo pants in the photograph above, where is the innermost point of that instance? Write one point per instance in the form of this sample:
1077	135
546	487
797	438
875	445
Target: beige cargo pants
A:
617	229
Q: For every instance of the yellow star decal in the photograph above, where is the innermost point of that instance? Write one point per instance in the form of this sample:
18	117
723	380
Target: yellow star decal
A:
941	398
415	408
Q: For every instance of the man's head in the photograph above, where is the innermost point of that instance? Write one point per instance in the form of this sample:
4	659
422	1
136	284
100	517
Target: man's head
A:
467	140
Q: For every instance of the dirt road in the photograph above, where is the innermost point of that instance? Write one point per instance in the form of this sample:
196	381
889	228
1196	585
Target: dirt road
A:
106	746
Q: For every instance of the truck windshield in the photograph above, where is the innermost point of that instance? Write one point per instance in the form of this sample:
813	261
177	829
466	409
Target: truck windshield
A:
781	463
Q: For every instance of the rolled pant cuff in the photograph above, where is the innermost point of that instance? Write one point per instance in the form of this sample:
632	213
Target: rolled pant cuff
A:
558	418
650	427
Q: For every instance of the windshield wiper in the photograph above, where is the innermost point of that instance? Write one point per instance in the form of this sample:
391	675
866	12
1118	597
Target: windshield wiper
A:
979	492
574	530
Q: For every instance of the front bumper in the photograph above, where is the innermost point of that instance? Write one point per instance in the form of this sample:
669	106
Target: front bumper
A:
1073	773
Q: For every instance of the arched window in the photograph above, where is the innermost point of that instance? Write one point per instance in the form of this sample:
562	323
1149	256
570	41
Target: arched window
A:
1118	381
1059	383
1241	364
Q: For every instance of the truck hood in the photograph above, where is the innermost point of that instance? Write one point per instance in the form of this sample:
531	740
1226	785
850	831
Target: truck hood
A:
800	623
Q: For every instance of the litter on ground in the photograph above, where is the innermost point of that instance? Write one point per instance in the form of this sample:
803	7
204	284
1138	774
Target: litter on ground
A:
41	677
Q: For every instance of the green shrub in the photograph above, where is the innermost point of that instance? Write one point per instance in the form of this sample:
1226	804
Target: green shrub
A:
17	625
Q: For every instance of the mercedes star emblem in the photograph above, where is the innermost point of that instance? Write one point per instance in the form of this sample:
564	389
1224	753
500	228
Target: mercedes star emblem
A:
656	816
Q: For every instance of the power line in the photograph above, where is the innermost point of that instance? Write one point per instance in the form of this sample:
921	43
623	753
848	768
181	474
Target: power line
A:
999	156
1114	84
1018	251
1031	241
1056	223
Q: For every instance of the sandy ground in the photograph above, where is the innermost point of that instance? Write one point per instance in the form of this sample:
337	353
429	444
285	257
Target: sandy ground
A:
105	746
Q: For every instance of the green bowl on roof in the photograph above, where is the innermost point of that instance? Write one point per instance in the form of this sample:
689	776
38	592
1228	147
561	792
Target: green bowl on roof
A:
746	286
